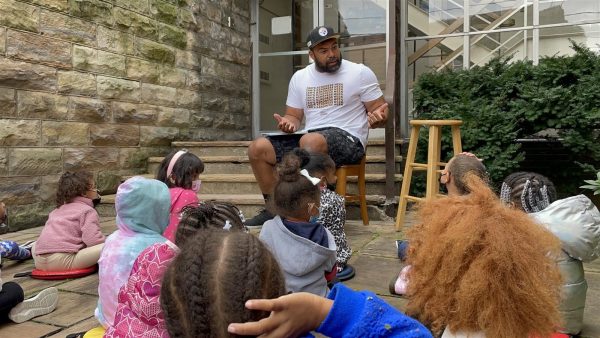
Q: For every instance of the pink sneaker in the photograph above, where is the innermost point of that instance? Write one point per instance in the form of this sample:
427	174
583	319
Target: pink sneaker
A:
398	285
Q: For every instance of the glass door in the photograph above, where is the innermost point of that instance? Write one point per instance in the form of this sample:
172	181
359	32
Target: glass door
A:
280	45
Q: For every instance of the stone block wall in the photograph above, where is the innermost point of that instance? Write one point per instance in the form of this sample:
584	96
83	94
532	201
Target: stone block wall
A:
104	84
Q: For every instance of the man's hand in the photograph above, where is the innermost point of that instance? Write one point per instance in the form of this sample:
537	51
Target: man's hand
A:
466	153
291	316
285	124
378	116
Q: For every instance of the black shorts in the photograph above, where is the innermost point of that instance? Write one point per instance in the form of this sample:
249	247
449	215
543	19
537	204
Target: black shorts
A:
344	148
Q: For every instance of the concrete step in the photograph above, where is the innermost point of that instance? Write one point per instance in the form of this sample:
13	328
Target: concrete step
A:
246	183
240	148
251	204
241	164
215	148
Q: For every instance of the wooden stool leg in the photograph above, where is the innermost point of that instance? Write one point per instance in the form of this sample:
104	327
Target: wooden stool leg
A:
362	193
456	143
433	158
408	169
340	185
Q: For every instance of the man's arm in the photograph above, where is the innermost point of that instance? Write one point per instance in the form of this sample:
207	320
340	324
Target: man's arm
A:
377	112
290	123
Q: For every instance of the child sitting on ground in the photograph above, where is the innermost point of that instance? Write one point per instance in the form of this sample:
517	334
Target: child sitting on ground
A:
453	177
576	223
206	286
304	248
71	238
142	207
480	269
333	207
180	171
138	312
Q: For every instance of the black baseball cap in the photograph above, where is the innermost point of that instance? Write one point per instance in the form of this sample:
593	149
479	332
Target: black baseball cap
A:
320	34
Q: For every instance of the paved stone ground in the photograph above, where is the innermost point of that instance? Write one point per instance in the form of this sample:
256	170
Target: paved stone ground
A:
374	261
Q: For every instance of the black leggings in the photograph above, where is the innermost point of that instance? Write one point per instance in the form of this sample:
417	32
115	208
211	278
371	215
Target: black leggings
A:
10	296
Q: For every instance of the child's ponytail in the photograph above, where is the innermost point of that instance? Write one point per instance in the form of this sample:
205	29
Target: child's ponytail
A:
293	190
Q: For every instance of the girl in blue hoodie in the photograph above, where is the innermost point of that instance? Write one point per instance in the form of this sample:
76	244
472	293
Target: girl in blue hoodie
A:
142	216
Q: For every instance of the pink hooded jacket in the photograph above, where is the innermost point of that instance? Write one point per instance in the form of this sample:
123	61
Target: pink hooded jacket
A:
138	312
180	197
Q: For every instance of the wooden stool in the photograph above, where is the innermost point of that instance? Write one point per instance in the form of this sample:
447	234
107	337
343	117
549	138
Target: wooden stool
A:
433	161
358	170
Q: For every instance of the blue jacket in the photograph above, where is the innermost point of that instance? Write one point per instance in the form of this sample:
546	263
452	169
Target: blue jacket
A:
363	314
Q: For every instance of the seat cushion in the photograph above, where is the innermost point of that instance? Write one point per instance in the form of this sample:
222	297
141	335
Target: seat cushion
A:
64	274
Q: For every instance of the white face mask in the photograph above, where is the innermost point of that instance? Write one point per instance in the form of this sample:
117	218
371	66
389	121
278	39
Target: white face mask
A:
196	185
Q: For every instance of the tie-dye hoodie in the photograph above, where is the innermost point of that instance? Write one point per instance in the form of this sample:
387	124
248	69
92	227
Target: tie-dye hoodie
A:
142	207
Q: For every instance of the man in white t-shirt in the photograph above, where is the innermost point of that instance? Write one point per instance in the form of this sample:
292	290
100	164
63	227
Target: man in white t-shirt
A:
339	101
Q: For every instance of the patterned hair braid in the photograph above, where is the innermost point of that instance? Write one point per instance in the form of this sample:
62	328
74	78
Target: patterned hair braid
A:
204	215
531	192
185	309
219	271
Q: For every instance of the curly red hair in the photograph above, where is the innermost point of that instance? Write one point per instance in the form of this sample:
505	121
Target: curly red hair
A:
478	265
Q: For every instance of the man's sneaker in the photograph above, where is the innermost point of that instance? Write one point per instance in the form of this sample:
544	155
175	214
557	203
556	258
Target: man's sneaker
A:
260	219
45	302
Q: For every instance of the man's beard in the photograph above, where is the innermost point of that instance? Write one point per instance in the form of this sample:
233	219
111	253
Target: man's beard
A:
327	68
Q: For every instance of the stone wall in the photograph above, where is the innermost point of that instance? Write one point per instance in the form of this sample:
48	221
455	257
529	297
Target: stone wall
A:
103	85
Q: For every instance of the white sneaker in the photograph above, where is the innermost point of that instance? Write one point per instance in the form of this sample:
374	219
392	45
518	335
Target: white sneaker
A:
43	303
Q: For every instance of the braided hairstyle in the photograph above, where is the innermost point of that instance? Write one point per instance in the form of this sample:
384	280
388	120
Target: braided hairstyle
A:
72	184
208	283
293	191
208	215
529	191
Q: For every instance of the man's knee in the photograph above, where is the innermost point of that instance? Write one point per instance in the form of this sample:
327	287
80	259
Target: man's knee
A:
259	148
314	142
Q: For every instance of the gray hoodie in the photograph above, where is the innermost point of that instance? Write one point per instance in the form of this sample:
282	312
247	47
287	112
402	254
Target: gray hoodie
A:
303	261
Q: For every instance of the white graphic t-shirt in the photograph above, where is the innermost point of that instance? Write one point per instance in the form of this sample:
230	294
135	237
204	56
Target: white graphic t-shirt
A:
335	99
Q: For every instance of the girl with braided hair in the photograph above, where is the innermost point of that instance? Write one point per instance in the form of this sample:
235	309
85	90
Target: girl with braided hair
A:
138	312
576	223
528	191
304	248
209	282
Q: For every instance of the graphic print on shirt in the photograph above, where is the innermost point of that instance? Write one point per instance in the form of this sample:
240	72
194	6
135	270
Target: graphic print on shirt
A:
325	96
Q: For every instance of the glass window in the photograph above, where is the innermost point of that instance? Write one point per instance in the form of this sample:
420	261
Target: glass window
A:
555	40
489	15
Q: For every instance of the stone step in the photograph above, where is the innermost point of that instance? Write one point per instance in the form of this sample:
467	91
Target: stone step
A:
250	204
240	148
241	164
214	148
246	183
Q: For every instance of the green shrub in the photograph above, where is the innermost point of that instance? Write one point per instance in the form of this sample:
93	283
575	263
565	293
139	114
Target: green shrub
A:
504	101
